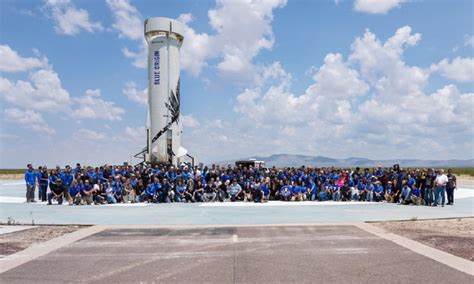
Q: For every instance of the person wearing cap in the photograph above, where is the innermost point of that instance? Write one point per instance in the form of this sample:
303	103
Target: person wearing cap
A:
30	180
441	181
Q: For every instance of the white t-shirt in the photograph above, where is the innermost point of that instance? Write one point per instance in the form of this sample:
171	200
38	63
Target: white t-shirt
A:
441	180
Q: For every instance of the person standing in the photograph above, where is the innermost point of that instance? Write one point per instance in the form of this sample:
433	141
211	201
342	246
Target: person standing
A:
43	180
429	183
451	186
440	183
30	179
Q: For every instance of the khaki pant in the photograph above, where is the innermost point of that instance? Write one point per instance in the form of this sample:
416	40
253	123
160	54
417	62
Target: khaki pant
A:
416	200
130	197
389	198
75	200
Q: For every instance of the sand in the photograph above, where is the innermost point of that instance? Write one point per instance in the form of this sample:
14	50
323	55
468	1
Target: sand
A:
455	236
13	242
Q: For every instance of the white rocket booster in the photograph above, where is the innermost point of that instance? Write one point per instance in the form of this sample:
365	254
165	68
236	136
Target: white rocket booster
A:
164	37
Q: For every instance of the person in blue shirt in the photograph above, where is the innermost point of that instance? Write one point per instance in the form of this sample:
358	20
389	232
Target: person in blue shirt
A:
53	177
410	181
67	178
304	189
87	192
75	193
336	192
234	190
43	184
117	188
389	194
30	180
150	193
179	191
285	192
325	191
355	193
77	169
369	189
405	194
295	192
313	189
265	191
378	191
109	190
415	195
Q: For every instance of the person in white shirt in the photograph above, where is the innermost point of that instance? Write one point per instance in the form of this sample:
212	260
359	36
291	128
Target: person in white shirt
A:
440	184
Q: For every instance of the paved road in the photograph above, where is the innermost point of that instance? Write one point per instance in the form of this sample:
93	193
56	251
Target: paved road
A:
296	254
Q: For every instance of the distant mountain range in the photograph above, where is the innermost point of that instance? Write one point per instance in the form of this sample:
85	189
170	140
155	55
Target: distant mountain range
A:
287	160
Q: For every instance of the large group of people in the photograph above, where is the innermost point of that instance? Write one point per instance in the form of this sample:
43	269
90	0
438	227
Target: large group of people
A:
186	183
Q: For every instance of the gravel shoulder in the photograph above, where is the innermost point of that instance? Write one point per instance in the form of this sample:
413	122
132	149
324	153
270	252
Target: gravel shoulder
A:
454	236
11	243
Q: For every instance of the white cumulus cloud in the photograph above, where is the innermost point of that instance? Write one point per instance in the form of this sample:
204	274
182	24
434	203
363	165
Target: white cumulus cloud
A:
29	119
91	106
11	61
134	94
43	92
371	103
377	6
69	19
459	69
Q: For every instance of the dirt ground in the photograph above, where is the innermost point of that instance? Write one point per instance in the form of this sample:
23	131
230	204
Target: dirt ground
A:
13	242
455	236
11	176
465	181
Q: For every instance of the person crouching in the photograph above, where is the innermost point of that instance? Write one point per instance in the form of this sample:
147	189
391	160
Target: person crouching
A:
75	193
56	193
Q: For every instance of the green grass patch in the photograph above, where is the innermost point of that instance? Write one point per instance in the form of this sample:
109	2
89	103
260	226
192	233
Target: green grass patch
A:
12	171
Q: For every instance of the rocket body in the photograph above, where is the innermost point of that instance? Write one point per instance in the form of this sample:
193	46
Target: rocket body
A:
164	37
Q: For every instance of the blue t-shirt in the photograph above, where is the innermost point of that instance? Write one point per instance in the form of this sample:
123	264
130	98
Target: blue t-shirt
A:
30	177
181	188
416	191
285	191
378	188
74	190
86	188
295	189
151	189
370	187
264	188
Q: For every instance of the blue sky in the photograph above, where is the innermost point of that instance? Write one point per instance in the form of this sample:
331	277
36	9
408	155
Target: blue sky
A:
367	78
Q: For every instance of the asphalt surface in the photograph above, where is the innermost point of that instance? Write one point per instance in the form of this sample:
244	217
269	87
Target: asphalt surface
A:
265	254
